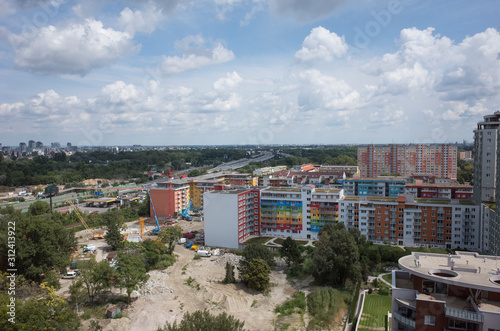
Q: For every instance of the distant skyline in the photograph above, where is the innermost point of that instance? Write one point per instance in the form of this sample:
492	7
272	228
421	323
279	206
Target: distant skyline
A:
231	72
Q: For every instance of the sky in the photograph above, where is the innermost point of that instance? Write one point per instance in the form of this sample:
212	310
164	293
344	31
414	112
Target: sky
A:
215	72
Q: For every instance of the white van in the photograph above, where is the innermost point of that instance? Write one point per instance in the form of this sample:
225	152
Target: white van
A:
204	252
182	241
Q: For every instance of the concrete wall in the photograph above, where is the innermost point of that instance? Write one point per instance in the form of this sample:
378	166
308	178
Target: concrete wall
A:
221	219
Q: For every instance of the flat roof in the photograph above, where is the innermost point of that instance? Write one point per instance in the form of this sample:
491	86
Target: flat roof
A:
281	189
234	191
327	190
101	200
468	269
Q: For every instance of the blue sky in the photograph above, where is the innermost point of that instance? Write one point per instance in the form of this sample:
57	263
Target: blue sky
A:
246	71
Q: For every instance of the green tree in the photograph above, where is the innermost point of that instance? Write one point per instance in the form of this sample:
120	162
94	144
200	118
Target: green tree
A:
203	320
114	223
229	278
97	277
290	251
39	208
42	244
256	251
169	236
336	256
78	294
256	275
144	208
131	271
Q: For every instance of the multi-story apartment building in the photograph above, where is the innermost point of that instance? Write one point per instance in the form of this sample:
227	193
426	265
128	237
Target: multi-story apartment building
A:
231	216
439	191
413	222
267	170
446	292
382	186
169	198
439	160
298	212
485	158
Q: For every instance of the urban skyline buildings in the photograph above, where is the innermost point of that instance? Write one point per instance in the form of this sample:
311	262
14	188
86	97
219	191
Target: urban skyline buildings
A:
407	160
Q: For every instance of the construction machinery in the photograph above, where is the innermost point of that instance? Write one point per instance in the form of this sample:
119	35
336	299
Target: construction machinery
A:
141	226
155	231
80	216
184	212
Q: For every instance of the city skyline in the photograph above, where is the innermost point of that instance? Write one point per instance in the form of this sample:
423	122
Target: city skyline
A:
235	72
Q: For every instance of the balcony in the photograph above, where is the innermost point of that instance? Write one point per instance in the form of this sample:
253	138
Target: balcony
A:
405	320
464	315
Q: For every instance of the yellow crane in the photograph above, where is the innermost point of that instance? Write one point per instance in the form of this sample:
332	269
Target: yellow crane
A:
141	226
79	215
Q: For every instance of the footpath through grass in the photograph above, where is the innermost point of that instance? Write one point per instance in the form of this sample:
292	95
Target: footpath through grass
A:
374	312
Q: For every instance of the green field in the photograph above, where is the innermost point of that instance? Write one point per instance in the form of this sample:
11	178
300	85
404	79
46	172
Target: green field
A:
374	312
388	278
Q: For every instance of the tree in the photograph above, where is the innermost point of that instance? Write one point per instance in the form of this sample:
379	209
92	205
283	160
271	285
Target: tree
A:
256	275
290	251
256	251
42	244
203	320
229	279
169	236
131	271
39	208
336	256
114	224
97	277
77	293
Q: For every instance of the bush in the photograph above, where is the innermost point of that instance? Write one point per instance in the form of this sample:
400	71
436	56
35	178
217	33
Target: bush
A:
324	305
383	291
203	320
297	304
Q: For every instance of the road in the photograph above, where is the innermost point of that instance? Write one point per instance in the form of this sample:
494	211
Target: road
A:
242	162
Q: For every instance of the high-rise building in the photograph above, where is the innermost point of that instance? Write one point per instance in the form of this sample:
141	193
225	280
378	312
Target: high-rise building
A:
31	145
22	148
39	144
485	154
437	160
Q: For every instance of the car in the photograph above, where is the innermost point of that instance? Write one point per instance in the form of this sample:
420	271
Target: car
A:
69	275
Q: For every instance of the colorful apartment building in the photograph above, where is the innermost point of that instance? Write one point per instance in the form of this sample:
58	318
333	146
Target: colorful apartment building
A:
439	191
435	292
439	160
298	212
231	216
168	201
414	222
381	186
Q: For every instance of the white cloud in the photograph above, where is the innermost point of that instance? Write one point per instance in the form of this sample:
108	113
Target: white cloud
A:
465	71
198	56
8	8
321	45
319	91
74	48
140	21
230	82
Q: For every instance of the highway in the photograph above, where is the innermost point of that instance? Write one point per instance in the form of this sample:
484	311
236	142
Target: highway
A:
242	162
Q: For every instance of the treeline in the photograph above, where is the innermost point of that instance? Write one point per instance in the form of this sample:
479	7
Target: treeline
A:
62	169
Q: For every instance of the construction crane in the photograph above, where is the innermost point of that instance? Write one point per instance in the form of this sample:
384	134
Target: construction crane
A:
155	231
79	215
141	226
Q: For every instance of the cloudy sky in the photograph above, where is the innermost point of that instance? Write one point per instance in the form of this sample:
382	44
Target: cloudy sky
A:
178	72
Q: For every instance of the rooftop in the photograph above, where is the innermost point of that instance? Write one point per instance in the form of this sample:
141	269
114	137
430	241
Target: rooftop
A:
466	269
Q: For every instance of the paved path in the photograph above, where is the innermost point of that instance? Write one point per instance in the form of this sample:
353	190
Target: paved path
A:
383	280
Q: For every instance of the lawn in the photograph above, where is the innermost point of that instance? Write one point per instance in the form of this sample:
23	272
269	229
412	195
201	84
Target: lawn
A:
258	240
388	278
374	312
280	241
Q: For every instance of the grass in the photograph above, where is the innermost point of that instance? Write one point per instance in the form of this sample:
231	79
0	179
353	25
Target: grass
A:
374	312
427	250
296	304
388	278
324	305
280	241
258	240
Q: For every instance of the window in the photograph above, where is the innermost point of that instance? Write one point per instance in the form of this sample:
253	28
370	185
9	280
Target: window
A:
429	320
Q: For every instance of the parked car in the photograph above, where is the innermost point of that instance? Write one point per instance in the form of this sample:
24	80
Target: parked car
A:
69	275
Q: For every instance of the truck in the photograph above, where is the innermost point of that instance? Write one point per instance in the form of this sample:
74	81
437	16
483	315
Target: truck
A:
204	251
90	248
